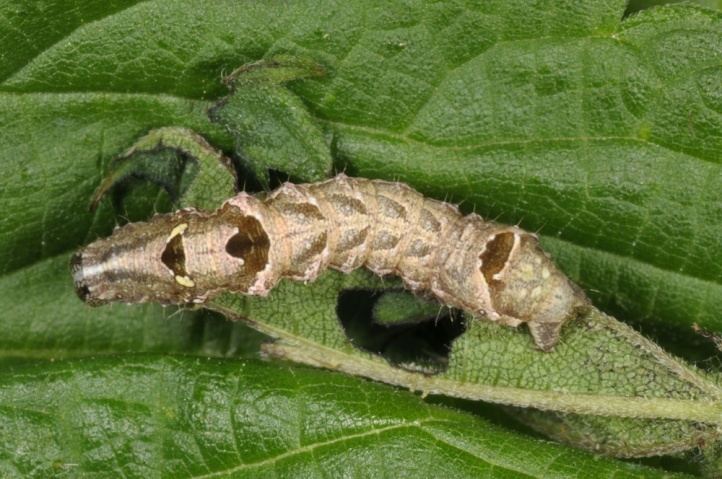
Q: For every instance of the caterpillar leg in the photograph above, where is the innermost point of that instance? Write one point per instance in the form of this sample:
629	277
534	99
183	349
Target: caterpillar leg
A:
546	335
181	161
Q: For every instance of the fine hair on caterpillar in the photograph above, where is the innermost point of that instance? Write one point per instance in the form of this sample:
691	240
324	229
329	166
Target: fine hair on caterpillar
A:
494	271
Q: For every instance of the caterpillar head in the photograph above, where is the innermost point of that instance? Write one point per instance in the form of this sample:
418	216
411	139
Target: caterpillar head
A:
183	257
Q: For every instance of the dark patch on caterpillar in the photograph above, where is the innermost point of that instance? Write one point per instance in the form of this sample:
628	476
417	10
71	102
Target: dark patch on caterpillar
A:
353	238
428	222
347	205
174	257
314	248
303	211
81	289
390	208
385	240
418	248
250	244
495	255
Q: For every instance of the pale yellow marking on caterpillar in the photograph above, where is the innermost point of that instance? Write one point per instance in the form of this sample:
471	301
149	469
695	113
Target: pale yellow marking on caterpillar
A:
185	281
178	230
494	271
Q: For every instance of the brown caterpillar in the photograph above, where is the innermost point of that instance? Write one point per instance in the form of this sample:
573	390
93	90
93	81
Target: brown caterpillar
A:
246	246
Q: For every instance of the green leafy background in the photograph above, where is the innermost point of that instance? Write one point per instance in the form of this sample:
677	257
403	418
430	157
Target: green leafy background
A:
600	132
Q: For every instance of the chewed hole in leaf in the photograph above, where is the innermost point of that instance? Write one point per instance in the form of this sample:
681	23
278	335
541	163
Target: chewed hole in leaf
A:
417	343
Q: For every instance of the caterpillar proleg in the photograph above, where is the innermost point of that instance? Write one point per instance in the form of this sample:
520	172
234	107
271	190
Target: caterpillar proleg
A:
493	271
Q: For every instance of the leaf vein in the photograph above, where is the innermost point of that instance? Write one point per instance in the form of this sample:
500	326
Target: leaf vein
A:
309	448
11	74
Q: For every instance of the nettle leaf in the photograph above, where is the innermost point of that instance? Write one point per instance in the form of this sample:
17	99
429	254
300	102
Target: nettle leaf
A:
566	119
600	368
153	416
271	127
584	137
603	134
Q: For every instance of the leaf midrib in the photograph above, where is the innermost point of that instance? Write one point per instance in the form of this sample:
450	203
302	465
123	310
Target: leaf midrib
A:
308	448
300	349
418	425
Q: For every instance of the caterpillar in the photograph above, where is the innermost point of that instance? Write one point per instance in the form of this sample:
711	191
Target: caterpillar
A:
247	245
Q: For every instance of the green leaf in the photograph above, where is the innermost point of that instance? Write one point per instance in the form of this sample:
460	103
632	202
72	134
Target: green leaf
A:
559	115
273	130
600	368
634	6
171	157
182	417
271	127
398	307
567	119
584	138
